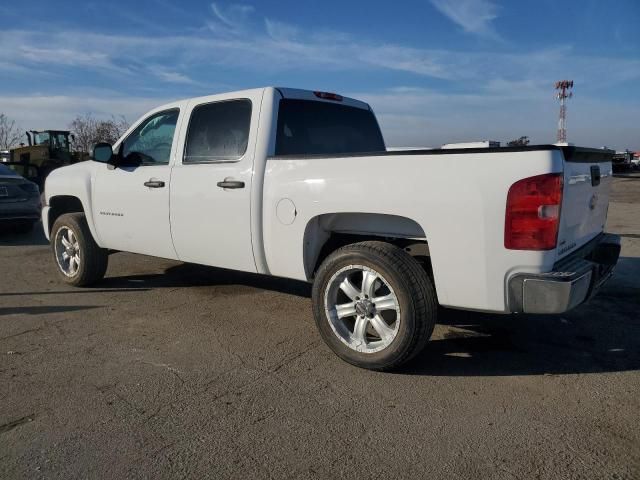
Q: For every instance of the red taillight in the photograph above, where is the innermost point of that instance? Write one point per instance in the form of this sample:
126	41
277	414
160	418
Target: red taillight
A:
328	96
533	213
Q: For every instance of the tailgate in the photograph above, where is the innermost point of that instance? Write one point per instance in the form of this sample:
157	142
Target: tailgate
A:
585	202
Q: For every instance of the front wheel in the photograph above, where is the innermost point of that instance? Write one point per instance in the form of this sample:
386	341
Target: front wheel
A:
79	259
374	305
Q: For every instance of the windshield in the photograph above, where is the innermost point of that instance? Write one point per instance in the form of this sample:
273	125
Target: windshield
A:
41	138
60	140
307	127
56	140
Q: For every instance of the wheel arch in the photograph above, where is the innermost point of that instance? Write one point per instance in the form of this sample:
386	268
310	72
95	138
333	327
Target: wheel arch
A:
62	204
326	233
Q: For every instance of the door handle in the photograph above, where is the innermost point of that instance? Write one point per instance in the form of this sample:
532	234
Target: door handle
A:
154	184
231	184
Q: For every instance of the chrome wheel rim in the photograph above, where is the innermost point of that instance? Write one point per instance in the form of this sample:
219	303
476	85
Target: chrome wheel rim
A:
362	308
67	251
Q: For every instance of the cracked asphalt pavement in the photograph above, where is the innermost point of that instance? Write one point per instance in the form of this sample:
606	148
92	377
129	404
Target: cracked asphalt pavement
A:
170	370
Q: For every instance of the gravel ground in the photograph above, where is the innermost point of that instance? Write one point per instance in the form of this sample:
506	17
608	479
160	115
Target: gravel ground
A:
169	370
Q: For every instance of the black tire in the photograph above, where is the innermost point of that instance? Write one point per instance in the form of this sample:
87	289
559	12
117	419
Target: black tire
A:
414	291
93	259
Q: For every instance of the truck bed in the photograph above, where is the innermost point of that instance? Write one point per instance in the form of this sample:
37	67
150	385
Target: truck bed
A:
455	197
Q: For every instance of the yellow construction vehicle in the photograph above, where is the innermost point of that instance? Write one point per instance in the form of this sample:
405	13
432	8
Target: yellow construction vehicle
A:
46	151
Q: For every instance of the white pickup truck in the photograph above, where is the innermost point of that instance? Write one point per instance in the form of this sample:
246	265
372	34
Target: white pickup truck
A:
298	184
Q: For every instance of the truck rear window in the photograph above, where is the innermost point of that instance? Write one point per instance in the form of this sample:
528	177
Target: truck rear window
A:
307	127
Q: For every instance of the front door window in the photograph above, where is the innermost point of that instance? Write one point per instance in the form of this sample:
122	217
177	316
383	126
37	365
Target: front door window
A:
150	143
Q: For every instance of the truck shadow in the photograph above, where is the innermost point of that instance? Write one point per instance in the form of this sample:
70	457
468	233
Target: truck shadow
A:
191	275
10	237
601	336
43	309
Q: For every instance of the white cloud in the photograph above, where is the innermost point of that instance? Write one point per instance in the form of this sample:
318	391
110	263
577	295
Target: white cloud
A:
40	112
280	31
474	16
229	19
280	47
170	76
420	118
495	94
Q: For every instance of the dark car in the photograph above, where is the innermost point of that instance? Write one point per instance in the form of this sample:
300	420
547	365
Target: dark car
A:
19	201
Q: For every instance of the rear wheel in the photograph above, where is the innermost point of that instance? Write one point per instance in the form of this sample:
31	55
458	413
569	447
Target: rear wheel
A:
79	259
374	305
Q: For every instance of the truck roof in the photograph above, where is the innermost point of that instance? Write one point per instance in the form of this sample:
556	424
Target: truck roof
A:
285	92
296	93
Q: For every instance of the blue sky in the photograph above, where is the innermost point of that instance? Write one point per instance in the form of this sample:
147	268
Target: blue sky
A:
435	71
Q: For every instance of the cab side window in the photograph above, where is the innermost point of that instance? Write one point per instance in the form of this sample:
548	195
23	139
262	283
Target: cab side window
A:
150	143
218	132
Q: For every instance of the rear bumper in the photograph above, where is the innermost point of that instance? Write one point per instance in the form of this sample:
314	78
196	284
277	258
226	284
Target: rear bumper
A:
573	280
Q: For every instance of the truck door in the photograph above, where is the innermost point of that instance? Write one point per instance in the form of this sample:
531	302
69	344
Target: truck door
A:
131	201
211	184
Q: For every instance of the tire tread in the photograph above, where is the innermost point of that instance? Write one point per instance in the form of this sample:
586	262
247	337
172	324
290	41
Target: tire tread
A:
94	259
421	292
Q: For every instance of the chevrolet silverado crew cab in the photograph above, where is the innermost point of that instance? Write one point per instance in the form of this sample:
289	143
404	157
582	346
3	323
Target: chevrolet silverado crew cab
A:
299	184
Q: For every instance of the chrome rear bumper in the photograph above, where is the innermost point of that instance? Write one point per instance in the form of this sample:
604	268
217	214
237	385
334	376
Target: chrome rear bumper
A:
573	280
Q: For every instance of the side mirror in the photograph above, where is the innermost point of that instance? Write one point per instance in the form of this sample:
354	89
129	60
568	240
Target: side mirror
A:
102	152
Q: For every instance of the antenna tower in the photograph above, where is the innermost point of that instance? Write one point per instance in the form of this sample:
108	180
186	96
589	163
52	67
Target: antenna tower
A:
564	91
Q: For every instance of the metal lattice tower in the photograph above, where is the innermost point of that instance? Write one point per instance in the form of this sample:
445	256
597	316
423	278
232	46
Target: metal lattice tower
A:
564	91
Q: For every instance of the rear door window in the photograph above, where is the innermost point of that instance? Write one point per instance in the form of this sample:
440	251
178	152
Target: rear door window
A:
218	132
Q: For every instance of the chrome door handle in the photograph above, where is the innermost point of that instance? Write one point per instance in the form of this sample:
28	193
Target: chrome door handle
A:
154	184
231	184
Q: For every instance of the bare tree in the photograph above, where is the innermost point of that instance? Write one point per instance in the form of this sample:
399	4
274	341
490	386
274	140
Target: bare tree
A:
9	133
89	130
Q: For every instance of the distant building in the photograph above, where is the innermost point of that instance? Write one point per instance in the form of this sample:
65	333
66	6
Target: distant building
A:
480	144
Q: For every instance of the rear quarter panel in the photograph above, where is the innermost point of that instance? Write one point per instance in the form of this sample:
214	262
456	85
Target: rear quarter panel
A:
458	200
